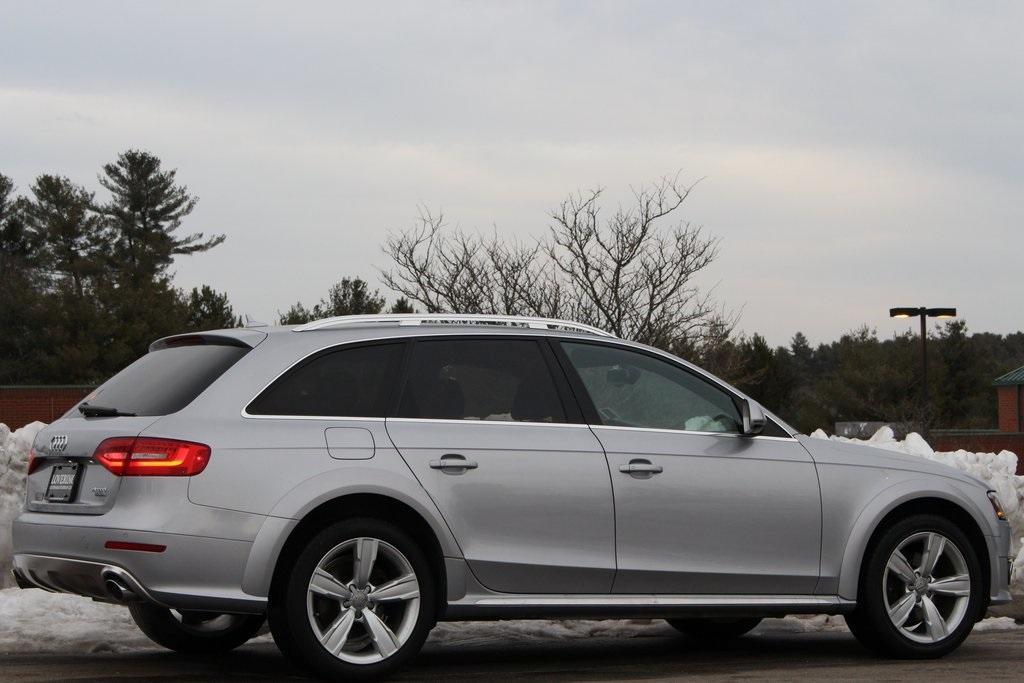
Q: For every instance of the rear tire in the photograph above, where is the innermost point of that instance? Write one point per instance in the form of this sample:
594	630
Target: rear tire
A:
920	592
356	603
194	632
714	628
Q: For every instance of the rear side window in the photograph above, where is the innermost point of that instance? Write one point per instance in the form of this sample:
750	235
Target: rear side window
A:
480	379
165	381
350	382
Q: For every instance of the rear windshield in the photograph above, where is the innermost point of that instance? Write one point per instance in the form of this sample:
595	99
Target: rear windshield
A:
167	380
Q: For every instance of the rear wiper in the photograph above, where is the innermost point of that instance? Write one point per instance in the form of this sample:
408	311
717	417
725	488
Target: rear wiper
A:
102	411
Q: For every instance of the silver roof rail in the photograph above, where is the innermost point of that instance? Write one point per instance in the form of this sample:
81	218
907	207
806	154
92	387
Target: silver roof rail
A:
453	319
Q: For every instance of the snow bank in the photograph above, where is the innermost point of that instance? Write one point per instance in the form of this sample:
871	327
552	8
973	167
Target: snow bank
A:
14	447
998	470
38	621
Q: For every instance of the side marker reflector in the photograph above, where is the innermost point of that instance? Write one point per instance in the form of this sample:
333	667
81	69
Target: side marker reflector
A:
140	547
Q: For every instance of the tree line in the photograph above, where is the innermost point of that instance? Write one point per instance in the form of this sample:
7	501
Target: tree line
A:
85	287
84	281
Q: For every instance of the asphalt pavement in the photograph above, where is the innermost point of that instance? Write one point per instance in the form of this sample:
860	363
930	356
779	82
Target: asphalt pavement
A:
763	655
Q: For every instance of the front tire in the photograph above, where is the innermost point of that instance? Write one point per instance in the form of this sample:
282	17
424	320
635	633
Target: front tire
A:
194	632
714	628
920	592
357	602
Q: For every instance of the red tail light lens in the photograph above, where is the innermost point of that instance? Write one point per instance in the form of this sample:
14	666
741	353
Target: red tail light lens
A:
126	456
33	461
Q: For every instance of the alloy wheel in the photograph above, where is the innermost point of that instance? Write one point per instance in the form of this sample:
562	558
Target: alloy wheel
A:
363	600
926	587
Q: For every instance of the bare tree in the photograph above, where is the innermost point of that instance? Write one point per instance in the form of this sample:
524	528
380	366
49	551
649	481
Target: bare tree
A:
632	273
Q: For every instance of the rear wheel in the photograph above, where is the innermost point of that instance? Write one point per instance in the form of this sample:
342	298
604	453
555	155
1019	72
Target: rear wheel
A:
920	591
194	632
356	603
714	628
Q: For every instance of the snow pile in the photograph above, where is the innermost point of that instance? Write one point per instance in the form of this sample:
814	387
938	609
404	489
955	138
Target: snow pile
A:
997	470
38	621
14	447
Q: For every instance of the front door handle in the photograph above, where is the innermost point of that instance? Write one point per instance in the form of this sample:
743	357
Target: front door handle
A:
642	469
454	463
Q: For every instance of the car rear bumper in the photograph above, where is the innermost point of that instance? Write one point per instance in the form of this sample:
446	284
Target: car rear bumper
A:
191	573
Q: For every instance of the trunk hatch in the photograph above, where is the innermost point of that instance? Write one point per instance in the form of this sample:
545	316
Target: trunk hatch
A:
174	373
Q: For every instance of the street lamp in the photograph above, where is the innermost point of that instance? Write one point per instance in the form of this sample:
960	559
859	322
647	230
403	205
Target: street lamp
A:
924	313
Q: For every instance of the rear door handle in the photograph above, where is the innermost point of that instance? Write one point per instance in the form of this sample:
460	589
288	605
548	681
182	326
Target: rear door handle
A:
641	468
453	462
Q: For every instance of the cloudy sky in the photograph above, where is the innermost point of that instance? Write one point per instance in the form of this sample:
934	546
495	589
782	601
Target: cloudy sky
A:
854	156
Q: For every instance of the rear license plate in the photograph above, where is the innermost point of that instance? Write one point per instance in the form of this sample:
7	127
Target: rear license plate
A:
63	482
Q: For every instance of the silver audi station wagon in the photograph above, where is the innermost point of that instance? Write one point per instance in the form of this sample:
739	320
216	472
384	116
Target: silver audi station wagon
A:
356	479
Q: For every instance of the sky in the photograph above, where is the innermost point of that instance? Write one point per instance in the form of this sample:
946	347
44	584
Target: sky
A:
851	156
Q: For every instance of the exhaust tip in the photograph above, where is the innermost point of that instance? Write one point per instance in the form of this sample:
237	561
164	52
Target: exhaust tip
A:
118	590
114	590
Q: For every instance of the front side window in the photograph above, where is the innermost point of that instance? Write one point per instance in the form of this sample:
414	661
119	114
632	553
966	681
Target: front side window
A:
631	389
349	382
480	379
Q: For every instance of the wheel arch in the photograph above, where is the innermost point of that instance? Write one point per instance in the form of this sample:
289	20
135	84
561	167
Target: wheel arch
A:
885	509
388	491
373	505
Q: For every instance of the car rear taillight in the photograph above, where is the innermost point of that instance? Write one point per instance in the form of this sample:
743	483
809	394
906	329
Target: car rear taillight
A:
145	456
33	461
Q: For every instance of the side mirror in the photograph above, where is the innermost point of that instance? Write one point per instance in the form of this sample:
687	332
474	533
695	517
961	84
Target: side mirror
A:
753	418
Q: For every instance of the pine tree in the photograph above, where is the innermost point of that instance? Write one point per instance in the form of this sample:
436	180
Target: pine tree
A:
18	245
801	351
296	315
208	309
959	379
144	212
21	298
66	229
141	219
402	305
350	296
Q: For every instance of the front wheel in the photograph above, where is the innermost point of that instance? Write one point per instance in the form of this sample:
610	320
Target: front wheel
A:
356	603
194	632
714	628
920	591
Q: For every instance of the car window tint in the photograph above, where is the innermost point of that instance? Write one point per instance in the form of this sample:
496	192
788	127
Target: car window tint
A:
350	382
165	381
631	389
480	379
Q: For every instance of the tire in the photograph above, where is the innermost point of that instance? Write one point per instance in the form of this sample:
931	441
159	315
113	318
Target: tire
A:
714	628
194	632
930	618
343	610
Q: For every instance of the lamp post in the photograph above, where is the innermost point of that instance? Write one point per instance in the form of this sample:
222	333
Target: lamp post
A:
924	313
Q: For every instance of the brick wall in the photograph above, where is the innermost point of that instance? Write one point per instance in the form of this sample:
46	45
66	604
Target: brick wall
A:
980	441
1009	409
21	405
